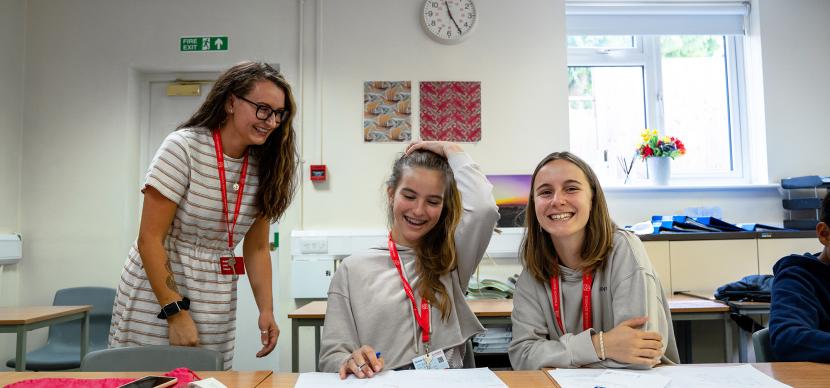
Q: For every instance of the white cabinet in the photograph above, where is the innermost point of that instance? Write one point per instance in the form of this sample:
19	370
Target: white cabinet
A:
703	266
658	252
770	250
311	275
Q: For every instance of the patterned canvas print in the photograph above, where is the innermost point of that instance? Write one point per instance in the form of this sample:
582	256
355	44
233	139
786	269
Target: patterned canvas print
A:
451	111
387	111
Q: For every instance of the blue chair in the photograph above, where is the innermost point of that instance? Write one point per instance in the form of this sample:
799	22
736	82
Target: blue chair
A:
63	346
762	345
153	358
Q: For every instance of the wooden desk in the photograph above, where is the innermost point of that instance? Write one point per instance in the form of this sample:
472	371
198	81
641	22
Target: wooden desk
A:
685	309
525	378
21	320
797	374
498	311
232	379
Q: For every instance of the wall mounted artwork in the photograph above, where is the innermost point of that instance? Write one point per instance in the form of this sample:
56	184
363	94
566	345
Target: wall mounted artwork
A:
451	111
387	111
511	192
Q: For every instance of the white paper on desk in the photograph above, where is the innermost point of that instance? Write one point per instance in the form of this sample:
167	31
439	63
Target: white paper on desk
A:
680	377
718	376
591	378
478	377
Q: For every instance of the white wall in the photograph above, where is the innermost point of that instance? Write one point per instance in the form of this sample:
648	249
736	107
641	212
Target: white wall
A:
78	204
796	85
11	125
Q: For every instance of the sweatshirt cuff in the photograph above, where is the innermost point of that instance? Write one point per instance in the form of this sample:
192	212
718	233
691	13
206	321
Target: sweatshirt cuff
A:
458	160
582	349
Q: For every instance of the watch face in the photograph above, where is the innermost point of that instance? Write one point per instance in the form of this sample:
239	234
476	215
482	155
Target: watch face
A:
449	21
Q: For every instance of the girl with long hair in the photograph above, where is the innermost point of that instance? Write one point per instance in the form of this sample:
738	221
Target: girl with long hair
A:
588	295
405	299
227	173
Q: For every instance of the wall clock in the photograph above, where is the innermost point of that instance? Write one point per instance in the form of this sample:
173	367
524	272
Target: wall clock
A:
449	21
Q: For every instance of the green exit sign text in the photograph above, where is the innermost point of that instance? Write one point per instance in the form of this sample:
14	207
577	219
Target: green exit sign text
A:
203	43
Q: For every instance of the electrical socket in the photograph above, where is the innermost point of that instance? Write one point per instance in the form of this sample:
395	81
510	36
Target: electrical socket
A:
314	245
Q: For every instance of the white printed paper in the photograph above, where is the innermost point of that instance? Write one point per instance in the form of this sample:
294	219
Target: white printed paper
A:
464	378
675	377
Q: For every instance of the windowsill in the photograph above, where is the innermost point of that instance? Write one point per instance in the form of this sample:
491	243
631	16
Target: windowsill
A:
645	187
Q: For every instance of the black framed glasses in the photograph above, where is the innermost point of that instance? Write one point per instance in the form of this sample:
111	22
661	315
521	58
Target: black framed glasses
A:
264	112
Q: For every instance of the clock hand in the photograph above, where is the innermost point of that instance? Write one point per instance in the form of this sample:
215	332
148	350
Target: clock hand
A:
453	19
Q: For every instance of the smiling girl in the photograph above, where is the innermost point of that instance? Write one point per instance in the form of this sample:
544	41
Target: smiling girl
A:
588	295
228	172
406	297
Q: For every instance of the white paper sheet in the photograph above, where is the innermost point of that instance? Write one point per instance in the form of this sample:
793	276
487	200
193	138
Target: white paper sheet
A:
608	378
677	377
478	378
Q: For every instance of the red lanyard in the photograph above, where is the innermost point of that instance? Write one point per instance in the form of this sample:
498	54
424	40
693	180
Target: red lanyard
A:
423	317
587	283
220	162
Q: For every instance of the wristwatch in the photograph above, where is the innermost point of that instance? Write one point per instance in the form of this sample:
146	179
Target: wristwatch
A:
173	308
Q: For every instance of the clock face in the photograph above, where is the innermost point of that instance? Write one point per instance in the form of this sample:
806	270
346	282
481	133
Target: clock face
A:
449	21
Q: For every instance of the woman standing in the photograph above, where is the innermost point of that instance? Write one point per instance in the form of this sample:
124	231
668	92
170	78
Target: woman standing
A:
227	173
406	298
588	295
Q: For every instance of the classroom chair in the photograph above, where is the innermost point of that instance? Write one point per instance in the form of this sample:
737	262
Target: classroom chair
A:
63	345
763	348
153	358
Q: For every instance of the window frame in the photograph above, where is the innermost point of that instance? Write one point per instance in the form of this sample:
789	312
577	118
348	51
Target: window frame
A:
646	53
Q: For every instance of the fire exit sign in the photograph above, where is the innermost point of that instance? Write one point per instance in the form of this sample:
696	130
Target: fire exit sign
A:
203	43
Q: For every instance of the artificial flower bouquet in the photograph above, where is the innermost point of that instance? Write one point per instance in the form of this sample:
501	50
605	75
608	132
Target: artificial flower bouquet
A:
655	146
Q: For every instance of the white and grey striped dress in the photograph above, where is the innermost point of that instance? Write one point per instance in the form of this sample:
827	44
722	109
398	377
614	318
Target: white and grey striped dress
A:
184	170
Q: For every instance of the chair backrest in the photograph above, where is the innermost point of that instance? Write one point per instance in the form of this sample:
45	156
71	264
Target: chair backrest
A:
763	348
469	357
100	317
152	358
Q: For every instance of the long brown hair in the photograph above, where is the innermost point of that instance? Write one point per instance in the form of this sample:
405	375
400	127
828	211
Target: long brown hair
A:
277	157
537	250
435	252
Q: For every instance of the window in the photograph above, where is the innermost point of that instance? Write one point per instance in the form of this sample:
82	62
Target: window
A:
678	70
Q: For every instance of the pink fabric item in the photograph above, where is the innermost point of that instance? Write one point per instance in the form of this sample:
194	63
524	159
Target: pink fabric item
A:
69	383
183	375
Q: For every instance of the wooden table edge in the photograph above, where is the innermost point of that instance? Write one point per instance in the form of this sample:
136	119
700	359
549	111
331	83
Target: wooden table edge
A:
61	311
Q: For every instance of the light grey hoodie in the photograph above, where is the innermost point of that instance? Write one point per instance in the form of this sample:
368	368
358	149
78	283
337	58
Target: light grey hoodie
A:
625	287
366	301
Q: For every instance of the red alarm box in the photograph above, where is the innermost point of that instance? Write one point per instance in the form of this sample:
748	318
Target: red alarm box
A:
318	172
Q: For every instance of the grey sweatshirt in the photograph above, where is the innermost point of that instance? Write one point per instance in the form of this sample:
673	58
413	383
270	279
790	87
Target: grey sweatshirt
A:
368	306
625	287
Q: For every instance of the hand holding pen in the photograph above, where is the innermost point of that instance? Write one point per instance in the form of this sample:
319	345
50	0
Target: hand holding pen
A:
364	362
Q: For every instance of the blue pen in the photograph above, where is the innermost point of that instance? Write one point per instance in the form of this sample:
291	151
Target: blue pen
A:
377	354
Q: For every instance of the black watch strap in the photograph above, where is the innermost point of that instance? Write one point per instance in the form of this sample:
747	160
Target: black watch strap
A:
173	308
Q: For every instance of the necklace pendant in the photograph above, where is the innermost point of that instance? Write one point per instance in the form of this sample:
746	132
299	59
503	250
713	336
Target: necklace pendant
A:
236	187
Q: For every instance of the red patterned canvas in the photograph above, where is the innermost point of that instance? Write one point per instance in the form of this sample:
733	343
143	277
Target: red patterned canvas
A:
451	111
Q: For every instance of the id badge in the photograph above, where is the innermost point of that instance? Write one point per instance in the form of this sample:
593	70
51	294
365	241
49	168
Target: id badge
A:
432	360
232	265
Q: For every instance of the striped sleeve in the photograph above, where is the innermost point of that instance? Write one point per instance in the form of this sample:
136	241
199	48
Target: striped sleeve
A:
169	173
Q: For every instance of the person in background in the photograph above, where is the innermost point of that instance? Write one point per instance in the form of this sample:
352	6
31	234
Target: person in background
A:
405	299
588	295
799	322
227	173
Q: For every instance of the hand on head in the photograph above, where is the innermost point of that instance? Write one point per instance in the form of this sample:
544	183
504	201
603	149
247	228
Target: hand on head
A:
442	148
626	343
363	363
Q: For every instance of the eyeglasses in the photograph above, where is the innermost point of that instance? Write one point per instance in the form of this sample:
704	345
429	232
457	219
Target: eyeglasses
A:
264	112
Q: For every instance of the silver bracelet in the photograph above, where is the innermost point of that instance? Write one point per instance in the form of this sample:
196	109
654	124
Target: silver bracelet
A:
601	346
